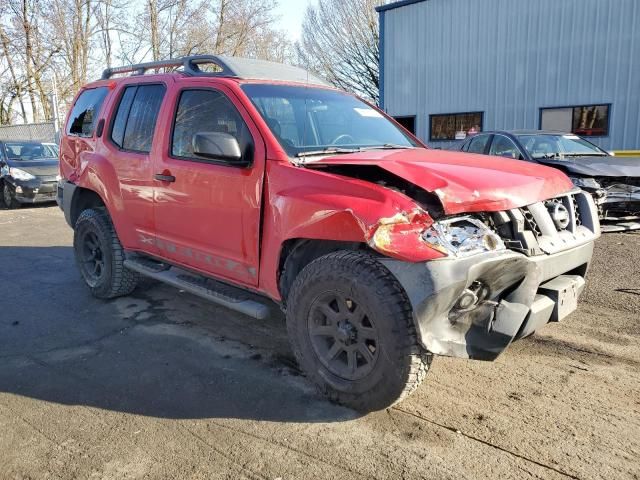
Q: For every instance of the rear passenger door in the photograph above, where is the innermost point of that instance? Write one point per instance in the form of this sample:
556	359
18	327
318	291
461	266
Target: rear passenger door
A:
131	139
207	212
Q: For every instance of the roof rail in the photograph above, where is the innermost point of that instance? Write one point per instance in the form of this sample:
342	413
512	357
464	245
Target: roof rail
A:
190	66
248	68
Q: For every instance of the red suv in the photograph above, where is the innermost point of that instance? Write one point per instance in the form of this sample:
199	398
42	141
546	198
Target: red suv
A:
241	181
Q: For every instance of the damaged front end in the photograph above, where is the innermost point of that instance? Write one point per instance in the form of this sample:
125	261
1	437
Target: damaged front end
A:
496	277
618	202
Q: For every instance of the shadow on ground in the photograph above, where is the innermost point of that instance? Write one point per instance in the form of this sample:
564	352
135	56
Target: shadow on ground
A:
157	353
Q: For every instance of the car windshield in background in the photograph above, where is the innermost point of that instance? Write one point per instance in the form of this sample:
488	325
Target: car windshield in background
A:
558	146
29	150
308	121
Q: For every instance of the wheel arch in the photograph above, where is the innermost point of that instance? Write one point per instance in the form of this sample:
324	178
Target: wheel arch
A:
83	199
297	253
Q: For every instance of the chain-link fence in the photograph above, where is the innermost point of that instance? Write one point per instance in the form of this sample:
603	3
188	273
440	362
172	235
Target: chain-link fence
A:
40	132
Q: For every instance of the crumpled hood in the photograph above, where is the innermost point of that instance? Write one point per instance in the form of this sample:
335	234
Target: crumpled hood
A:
41	167
464	182
597	166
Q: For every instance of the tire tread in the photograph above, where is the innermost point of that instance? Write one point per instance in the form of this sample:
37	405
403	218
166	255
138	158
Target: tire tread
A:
123	281
367	270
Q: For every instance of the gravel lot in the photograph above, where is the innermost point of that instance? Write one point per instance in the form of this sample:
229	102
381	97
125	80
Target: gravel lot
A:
164	385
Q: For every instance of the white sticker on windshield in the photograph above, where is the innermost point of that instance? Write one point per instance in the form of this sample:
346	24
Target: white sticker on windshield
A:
368	112
572	137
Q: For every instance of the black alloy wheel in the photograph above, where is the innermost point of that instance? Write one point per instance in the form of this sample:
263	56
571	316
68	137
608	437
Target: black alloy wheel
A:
343	336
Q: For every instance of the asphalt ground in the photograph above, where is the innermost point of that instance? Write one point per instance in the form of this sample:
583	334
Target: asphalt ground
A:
163	385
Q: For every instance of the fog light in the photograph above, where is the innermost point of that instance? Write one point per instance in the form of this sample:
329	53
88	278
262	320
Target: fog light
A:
471	298
466	302
18	189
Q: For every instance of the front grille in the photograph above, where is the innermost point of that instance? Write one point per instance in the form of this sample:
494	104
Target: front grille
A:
550	226
576	212
531	222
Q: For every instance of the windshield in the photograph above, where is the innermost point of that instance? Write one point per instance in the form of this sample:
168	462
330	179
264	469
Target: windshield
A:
551	146
29	150
312	120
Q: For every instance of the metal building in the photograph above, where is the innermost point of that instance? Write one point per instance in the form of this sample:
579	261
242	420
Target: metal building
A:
451	67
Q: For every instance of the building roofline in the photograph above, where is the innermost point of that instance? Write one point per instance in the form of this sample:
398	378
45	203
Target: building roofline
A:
394	5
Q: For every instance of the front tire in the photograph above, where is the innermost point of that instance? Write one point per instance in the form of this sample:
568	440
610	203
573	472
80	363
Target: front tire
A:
351	329
100	256
8	197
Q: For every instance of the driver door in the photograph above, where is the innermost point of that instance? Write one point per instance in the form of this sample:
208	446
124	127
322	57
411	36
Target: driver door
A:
207	212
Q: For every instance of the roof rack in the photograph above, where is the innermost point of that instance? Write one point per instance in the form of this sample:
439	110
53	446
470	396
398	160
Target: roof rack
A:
237	67
190	66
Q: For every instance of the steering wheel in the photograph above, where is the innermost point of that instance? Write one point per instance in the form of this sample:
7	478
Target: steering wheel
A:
343	136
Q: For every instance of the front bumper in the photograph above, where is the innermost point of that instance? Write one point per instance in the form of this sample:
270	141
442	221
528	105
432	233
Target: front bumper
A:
525	294
618	206
33	191
65	191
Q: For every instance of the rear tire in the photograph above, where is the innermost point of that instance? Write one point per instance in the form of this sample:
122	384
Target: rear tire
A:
100	256
351	329
8	197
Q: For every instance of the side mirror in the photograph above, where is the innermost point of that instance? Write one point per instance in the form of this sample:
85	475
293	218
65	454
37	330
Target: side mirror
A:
216	146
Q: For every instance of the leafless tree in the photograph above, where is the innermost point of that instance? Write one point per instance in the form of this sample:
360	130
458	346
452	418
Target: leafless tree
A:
243	28
11	90
340	42
186	27
67	42
27	54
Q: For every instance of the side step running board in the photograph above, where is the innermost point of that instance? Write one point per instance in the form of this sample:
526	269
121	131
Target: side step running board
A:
217	292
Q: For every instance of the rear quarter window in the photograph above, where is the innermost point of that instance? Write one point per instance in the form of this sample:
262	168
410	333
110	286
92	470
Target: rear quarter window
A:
84	115
135	120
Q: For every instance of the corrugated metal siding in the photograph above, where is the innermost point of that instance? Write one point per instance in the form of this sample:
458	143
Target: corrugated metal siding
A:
509	58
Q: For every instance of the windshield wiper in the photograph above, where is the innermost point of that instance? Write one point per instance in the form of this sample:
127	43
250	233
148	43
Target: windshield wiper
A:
327	151
386	146
546	155
585	154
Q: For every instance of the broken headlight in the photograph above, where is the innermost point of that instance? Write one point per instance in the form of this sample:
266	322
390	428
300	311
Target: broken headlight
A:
461	237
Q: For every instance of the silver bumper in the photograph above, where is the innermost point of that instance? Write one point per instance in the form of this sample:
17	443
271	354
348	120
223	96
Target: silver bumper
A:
523	294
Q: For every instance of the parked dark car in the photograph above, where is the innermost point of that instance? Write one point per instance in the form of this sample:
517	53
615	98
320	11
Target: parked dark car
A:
613	181
28	172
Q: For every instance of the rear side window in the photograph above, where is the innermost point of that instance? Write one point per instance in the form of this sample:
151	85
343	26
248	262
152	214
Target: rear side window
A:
84	116
202	111
135	119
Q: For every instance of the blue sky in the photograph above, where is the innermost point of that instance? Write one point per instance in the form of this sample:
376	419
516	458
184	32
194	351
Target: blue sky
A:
291	14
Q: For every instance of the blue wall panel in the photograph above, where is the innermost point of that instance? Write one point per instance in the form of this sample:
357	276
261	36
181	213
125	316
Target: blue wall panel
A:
509	58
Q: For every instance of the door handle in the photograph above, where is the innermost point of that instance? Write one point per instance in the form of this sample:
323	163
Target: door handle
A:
164	178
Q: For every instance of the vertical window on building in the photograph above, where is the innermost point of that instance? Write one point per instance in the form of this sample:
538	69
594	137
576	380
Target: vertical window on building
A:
135	119
454	126
84	114
585	120
408	122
